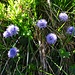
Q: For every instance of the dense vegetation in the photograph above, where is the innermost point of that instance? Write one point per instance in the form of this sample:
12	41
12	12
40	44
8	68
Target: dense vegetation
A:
35	39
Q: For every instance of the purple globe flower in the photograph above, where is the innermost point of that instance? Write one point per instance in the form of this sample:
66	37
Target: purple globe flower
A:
63	16
42	23
12	52
6	34
71	30
51	38
10	31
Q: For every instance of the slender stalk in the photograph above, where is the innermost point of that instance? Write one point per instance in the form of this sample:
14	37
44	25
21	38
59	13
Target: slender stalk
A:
16	41
4	66
57	66
17	67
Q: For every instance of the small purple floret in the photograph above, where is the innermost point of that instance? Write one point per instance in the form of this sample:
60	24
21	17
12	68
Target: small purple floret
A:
12	52
42	23
63	16
71	30
13	29
51	38
10	31
6	34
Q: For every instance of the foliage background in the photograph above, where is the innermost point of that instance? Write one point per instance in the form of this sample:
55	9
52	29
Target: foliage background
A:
59	58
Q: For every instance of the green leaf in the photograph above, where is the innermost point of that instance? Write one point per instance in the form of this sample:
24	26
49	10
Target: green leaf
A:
63	53
72	69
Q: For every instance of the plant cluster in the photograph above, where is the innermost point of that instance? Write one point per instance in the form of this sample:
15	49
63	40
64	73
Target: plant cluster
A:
37	37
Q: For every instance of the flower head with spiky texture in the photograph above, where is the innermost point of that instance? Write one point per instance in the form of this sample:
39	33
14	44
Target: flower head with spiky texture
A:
12	52
63	16
10	31
51	38
71	30
6	34
42	23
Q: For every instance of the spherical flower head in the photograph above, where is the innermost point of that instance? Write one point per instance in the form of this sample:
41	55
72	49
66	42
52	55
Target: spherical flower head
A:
42	23
63	16
51	38
71	30
6	34
12	29
12	52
